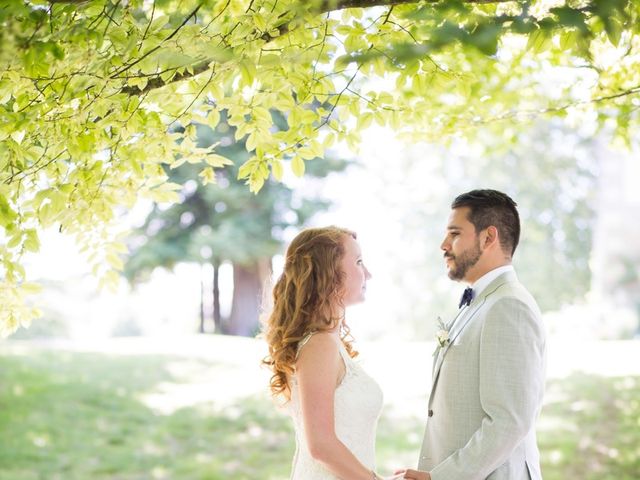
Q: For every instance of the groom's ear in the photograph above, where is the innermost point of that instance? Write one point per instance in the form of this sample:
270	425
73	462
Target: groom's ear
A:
490	237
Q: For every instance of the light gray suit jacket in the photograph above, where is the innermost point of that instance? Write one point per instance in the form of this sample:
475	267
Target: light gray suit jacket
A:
487	390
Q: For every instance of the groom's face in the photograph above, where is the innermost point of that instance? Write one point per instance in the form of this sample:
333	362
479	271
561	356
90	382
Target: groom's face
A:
461	245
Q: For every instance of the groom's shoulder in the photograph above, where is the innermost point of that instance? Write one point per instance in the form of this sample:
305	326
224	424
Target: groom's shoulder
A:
513	292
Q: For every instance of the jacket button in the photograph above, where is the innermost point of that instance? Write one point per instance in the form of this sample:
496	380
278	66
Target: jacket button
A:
431	413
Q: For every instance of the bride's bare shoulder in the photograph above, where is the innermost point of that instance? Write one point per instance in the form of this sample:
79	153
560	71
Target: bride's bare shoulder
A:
318	345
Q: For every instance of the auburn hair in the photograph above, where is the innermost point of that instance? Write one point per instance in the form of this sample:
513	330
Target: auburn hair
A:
304	300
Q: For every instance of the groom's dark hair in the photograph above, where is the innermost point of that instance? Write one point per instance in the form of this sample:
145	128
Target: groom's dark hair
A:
491	207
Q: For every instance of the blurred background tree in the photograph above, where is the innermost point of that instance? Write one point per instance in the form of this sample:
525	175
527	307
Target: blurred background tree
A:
221	222
554	172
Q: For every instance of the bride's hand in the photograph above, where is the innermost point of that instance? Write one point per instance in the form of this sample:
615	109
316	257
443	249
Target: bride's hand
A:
397	475
416	475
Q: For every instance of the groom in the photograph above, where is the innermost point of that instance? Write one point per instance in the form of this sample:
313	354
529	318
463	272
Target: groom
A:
488	373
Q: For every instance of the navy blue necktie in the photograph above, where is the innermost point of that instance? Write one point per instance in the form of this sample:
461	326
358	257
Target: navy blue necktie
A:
467	296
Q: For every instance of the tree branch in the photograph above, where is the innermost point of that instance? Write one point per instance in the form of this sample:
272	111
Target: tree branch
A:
335	5
324	6
159	82
514	114
173	34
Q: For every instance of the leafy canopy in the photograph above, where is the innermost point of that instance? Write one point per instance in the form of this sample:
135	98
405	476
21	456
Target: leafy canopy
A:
89	92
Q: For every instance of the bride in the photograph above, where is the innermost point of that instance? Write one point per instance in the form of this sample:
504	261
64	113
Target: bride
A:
334	404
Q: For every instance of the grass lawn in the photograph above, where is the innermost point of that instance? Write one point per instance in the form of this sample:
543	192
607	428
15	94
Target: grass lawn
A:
68	416
590	428
79	416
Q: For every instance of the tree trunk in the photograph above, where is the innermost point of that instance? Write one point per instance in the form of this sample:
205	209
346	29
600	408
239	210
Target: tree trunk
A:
248	281
217	318
201	329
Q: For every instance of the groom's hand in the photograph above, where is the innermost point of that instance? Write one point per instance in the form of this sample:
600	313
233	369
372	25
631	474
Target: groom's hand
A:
417	475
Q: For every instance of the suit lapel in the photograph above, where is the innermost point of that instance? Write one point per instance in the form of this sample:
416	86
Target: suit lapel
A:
456	329
438	353
461	321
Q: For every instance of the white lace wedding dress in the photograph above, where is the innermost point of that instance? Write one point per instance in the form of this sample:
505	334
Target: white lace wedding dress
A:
357	406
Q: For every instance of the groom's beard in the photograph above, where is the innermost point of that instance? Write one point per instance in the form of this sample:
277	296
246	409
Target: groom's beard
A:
464	261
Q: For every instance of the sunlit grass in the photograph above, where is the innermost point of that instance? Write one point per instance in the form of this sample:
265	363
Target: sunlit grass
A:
592	430
80	416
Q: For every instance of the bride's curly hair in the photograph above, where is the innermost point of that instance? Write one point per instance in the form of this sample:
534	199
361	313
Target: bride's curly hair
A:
304	300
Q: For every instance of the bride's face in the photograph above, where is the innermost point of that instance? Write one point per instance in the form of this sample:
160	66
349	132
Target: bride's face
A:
355	273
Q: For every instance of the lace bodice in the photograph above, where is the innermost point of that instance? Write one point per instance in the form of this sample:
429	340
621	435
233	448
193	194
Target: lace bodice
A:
357	406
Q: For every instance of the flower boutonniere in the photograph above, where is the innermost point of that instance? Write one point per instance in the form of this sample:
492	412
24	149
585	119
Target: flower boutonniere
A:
442	335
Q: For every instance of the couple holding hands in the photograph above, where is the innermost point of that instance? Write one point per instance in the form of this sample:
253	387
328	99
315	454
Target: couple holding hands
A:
487	373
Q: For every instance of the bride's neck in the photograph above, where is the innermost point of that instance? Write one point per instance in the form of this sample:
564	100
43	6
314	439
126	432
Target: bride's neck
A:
339	314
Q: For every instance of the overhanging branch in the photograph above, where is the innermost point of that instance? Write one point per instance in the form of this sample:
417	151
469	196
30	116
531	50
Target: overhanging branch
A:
157	47
324	6
331	5
515	114
158	82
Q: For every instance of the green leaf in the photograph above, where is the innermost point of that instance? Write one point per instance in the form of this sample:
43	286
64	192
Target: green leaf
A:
114	261
329	140
297	166
7	214
248	71
118	37
276	169
260	22
15	240
485	38
217	161
255	183
539	41
29	288
252	141
569	40
365	120
305	153
614	29
207	175
571	17
213	118
18	136
31	242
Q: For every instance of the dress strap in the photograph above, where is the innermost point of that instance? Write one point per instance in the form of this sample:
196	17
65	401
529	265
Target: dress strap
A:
304	340
347	361
346	358
342	351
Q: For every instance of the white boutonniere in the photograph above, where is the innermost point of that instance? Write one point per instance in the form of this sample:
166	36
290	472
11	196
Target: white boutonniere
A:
442	335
